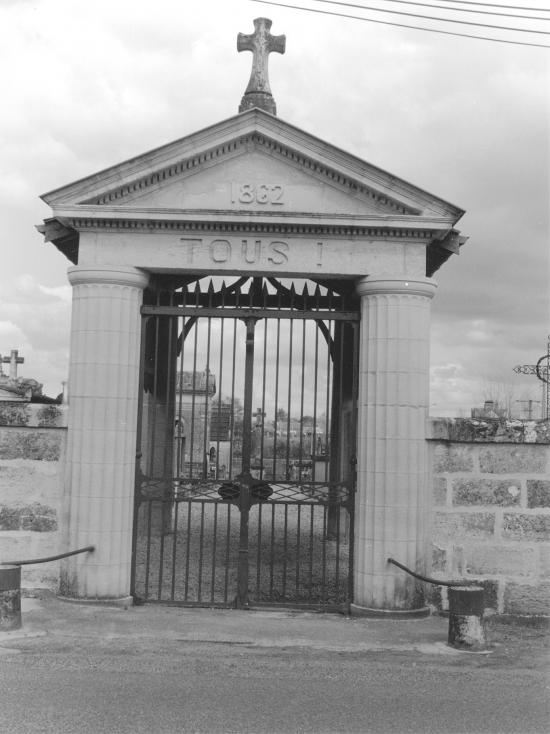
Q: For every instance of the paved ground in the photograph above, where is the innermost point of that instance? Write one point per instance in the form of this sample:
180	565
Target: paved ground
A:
89	669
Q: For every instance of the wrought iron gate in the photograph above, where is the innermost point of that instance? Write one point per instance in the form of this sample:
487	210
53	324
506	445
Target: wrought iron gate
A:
246	469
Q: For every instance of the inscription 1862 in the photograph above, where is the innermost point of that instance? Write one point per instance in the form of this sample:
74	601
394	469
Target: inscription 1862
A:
257	193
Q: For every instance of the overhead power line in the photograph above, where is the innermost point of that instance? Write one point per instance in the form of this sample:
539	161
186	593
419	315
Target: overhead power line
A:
499	6
432	17
452	9
398	25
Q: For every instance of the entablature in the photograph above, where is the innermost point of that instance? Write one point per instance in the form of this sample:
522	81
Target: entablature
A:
250	175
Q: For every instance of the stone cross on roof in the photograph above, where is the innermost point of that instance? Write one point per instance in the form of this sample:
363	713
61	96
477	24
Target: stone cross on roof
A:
13	360
261	43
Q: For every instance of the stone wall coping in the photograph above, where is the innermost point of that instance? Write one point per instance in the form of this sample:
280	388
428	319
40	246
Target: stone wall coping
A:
460	430
32	415
488	430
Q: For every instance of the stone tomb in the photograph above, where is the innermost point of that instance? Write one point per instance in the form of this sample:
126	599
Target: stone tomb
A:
250	195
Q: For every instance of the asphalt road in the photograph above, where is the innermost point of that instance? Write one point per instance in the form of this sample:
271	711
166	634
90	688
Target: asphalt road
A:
116	684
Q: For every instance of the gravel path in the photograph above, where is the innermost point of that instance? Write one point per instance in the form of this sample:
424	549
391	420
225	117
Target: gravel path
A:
194	558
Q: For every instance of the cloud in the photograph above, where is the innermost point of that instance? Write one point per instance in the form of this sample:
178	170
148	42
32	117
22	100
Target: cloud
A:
86	86
28	287
63	292
36	322
9	330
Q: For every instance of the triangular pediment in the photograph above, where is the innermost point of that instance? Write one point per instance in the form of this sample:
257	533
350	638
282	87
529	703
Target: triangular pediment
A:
256	164
252	179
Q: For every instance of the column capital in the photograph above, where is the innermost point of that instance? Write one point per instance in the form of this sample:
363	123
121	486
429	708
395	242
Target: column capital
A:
372	285
108	275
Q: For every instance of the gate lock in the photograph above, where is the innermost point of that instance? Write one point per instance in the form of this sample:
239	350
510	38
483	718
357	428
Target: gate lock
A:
259	491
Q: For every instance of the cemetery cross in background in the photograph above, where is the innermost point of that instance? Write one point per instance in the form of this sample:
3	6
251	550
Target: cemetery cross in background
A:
13	360
542	370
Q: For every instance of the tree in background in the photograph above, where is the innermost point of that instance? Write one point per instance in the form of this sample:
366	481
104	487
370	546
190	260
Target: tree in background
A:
505	400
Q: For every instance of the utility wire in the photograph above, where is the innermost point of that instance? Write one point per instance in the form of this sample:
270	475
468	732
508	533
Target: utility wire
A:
433	17
463	10
398	25
499	6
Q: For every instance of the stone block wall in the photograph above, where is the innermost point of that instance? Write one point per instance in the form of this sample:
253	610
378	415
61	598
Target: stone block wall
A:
491	511
490	519
32	451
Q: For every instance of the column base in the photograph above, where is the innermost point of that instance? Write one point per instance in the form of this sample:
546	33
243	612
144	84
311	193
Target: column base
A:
358	611
122	601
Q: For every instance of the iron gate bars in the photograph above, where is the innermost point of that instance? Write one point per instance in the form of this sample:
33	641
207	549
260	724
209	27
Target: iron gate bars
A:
237	504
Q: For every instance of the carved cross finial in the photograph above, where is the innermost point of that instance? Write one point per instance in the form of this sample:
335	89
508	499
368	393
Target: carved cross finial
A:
13	360
261	43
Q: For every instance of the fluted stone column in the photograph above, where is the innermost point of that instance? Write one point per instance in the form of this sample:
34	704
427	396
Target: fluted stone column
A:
101	449
392	469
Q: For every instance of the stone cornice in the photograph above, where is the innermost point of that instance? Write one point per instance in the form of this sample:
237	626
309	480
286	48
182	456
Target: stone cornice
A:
375	227
278	138
101	216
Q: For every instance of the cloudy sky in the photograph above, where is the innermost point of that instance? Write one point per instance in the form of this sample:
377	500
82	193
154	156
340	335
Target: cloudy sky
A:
87	85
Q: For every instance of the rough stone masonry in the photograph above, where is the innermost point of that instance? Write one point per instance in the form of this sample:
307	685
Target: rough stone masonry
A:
491	511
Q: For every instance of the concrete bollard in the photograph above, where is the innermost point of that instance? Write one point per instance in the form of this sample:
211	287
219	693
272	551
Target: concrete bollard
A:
466	623
10	598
